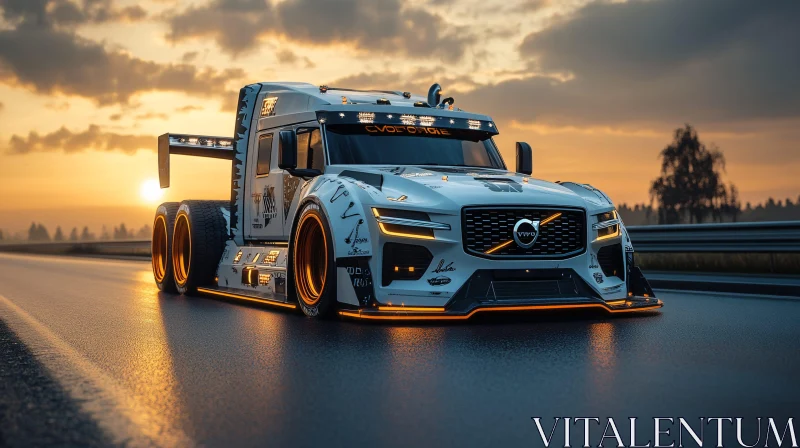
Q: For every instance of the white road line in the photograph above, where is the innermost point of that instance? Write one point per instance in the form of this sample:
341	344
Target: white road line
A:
115	409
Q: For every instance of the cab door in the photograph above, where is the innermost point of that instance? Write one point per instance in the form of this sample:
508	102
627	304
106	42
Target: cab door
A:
264	191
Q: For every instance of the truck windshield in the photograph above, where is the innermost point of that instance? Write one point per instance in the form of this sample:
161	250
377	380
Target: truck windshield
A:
378	144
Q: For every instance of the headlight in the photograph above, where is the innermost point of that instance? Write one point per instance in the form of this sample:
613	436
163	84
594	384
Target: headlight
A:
406	223
607	225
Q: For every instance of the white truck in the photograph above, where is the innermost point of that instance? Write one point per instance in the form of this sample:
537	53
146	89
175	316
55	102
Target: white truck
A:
386	205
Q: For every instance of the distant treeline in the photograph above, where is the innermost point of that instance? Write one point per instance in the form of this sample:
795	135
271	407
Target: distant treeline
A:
38	232
786	210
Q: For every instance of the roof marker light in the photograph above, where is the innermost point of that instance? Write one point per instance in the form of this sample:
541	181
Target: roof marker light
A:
408	119
452	121
341	114
389	116
366	117
426	120
474	124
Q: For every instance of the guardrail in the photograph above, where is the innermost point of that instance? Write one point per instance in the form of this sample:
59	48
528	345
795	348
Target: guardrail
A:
135	248
739	237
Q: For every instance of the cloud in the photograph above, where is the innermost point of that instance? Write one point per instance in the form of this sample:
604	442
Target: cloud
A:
152	116
368	25
69	12
671	61
93	138
43	53
187	109
49	61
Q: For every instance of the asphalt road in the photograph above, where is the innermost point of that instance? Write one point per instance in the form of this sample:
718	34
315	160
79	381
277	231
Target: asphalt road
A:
191	370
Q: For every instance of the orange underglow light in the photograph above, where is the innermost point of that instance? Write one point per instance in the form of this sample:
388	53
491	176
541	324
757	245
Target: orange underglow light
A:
434	309
616	302
245	298
360	315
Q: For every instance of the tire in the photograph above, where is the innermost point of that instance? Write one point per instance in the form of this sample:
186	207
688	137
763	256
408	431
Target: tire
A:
313	264
199	236
161	246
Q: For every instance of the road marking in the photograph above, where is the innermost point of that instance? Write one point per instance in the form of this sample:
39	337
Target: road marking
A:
116	410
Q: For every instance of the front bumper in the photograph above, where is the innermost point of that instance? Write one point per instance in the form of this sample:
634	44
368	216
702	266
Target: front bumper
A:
517	290
629	305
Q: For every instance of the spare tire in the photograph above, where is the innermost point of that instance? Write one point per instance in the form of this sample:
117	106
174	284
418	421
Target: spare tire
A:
161	246
198	240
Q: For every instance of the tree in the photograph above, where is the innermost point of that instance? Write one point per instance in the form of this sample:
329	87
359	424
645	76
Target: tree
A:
59	235
120	233
104	234
44	235
1	234
38	233
73	235
85	235
690	187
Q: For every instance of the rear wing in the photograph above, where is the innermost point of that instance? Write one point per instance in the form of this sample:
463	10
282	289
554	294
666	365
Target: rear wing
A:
190	145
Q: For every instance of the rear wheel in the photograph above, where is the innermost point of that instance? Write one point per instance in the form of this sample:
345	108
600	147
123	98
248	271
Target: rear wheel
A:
161	246
313	264
198	240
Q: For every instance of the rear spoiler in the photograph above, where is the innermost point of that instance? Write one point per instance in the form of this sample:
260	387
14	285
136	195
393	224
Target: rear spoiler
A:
190	145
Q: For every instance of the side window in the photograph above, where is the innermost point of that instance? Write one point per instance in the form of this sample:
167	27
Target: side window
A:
309	149
264	154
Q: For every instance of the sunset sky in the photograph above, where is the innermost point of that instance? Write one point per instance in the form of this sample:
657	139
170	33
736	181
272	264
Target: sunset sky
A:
596	88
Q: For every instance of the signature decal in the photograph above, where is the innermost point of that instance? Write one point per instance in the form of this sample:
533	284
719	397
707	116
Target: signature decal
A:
441	267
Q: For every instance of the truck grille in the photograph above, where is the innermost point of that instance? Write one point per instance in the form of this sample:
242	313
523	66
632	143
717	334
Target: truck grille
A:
488	227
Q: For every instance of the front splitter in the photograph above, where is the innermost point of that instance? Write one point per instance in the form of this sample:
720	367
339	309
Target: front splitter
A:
629	305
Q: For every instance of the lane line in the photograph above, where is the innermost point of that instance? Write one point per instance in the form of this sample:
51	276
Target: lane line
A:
116	410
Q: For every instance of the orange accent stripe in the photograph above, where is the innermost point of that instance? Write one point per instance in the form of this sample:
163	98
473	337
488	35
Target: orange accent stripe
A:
247	298
616	302
549	219
434	309
360	315
499	246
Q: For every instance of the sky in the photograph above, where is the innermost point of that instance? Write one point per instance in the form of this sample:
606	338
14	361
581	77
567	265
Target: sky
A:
596	87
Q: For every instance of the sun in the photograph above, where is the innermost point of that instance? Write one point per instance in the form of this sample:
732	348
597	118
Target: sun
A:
150	191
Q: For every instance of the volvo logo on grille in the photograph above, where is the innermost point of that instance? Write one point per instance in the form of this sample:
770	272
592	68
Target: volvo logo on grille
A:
526	232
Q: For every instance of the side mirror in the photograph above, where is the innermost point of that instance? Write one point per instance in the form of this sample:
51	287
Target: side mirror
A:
524	158
287	150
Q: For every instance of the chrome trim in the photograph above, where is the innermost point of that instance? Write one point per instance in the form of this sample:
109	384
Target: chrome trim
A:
413	223
605	224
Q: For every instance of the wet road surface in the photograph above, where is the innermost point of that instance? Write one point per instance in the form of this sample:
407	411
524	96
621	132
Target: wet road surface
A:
224	373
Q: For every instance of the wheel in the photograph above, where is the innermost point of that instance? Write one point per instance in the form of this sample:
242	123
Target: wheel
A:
161	246
198	240
313	264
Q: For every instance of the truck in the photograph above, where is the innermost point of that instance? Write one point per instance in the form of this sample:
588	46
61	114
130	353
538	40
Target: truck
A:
373	204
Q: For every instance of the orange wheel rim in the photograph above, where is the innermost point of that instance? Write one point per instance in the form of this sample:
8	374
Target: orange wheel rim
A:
158	249
310	259
181	249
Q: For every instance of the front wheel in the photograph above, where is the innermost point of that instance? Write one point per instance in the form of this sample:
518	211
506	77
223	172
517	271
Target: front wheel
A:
313	263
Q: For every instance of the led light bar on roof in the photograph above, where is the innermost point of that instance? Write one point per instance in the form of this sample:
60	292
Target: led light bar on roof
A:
208	142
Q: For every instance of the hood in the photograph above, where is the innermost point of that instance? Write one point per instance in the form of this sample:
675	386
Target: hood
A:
450	188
